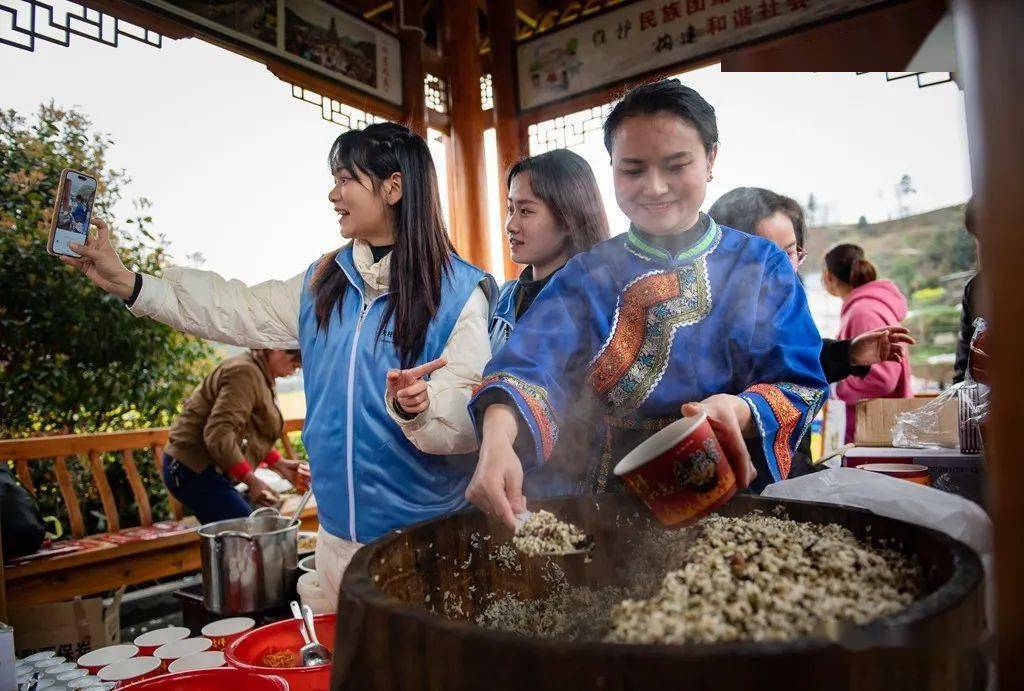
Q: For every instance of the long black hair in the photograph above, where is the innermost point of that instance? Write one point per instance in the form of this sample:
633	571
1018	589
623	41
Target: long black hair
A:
565	182
421	252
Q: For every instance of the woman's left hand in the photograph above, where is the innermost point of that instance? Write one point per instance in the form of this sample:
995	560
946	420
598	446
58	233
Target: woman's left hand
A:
295	472
408	388
730	420
881	345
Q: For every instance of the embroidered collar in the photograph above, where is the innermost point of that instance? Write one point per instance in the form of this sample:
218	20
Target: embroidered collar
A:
646	250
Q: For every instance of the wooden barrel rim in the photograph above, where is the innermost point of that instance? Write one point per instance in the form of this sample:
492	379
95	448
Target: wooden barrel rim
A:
966	577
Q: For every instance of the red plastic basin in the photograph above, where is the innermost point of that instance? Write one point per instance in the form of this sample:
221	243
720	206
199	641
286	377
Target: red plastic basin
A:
211	680
247	651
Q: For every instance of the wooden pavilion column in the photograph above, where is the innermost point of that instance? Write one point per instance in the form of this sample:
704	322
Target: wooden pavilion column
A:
512	146
467	172
988	41
411	34
3	590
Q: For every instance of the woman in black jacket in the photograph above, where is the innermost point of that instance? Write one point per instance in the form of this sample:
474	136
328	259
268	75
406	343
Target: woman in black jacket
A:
780	219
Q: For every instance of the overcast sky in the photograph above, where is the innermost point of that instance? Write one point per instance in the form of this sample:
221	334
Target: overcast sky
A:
236	167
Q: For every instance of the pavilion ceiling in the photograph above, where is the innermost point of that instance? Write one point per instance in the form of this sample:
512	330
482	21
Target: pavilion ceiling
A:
533	15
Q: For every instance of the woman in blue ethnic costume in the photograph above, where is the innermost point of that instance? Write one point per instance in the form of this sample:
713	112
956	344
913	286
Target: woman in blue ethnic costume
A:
678	315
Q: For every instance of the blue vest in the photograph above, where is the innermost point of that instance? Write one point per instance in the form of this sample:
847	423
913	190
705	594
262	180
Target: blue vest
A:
504	319
367	477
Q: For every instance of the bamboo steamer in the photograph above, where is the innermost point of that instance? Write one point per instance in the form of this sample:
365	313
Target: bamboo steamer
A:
388	639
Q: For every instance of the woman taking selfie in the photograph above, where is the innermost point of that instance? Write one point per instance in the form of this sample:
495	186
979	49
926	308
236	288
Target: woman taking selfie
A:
554	213
677	315
372	319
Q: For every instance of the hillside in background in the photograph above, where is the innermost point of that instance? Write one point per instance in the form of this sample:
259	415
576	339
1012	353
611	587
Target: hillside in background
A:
930	256
915	252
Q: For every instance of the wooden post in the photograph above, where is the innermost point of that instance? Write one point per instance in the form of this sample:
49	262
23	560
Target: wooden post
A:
410	33
501	19
467	172
3	586
988	41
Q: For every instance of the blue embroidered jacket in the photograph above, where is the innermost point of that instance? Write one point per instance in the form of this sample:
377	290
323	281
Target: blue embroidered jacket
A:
648	331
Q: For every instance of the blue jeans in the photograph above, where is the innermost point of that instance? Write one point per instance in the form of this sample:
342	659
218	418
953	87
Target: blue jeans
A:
210	495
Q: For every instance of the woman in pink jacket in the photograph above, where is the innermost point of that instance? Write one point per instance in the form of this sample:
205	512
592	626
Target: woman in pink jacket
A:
868	303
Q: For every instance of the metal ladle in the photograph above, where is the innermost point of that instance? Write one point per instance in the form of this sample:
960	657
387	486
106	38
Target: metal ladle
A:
313	653
297	516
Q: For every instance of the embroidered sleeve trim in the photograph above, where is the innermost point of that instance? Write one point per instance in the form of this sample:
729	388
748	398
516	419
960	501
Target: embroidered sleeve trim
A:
788	417
538	405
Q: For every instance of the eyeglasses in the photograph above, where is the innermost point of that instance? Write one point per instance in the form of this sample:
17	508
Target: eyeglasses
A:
799	252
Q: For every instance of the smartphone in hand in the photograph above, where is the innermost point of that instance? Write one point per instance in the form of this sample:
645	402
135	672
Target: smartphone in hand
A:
72	212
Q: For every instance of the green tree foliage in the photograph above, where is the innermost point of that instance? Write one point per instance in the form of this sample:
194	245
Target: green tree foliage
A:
950	253
72	358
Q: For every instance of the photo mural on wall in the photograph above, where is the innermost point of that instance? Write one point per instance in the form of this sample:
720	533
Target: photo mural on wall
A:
310	34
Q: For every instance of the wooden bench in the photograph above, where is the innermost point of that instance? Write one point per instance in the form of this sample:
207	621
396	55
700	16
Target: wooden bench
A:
108	560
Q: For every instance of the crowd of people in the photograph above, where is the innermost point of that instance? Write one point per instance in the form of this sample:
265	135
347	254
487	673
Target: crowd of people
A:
428	387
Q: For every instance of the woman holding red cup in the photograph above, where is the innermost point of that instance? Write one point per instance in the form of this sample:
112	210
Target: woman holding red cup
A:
679	315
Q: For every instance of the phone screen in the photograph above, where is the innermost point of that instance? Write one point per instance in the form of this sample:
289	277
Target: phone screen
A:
74	209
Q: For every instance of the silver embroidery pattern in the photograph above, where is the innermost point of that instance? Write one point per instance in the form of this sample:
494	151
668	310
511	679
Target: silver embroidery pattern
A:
662	321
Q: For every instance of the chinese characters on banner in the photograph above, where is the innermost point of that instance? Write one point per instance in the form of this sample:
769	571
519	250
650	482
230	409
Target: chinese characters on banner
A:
311	34
652	34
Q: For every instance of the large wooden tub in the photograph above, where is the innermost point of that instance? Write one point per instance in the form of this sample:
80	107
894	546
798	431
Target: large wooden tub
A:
387	637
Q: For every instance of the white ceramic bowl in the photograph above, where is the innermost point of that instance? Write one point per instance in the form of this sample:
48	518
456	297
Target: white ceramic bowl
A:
308	564
151	640
211	659
175	650
130	669
95	660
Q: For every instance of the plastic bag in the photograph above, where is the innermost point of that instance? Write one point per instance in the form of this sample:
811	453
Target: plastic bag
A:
954	515
925	426
977	358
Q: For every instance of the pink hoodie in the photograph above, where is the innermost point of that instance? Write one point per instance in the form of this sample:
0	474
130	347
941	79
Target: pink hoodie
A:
867	307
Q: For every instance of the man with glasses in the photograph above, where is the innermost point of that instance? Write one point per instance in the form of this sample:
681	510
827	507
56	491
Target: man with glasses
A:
780	219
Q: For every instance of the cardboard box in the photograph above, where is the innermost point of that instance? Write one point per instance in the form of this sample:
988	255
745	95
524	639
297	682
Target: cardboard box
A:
71	628
876	417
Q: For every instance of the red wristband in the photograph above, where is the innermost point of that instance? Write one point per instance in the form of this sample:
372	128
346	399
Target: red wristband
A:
240	470
272	457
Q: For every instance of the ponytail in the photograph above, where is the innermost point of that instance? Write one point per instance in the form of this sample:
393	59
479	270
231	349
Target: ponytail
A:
862	271
847	263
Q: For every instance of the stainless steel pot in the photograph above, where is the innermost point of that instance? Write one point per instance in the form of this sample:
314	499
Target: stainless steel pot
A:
249	564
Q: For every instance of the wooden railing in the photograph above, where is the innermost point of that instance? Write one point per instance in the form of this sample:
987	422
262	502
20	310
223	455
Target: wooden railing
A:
89	572
64	448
